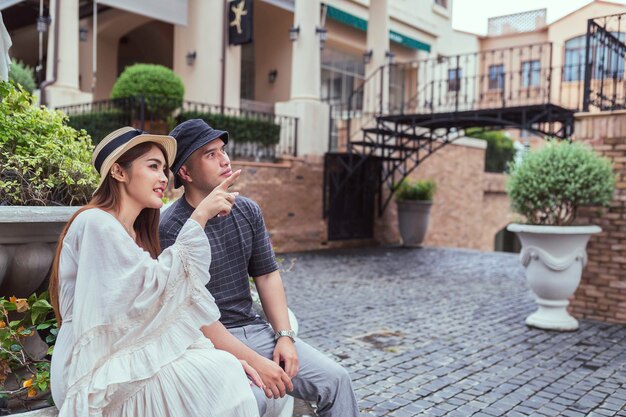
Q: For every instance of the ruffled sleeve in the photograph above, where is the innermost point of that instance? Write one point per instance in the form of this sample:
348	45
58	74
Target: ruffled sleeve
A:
132	314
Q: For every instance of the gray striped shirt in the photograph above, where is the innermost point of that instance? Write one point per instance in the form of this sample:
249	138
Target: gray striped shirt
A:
240	248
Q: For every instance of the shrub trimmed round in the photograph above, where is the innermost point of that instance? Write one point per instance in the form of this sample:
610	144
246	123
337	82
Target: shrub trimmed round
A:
162	89
548	186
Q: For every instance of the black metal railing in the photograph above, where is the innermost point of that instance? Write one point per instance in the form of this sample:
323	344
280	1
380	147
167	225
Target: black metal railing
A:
605	54
511	77
254	135
497	78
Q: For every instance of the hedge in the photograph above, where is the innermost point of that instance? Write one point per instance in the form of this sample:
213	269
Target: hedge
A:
98	124
240	129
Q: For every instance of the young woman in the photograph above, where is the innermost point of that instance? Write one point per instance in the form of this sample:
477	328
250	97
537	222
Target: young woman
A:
130	342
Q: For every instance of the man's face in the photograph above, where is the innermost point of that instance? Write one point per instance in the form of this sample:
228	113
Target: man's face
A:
208	166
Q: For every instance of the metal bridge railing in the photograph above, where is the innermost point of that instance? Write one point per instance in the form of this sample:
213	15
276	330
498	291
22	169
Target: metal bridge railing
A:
605	54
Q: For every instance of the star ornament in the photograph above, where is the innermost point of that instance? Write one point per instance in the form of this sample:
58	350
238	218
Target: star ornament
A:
238	11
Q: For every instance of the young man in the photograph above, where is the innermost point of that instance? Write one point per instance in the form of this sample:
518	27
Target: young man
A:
240	247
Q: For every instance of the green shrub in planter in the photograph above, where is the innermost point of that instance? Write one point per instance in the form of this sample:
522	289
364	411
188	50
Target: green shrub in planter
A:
161	88
240	129
409	190
98	124
43	161
548	186
22	74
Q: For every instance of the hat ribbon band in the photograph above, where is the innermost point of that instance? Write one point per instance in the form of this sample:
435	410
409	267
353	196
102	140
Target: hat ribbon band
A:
113	145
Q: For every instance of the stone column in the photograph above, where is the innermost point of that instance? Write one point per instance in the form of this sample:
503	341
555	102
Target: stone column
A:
65	90
305	58
378	43
304	102
204	35
233	77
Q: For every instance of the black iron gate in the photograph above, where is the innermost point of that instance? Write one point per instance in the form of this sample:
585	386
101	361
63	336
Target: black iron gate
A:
350	187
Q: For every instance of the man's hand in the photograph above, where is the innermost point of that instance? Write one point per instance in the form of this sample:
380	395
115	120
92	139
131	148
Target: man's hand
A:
285	352
277	382
219	202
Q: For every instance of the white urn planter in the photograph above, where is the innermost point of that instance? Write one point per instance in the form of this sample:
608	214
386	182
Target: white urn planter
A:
413	217
28	237
554	257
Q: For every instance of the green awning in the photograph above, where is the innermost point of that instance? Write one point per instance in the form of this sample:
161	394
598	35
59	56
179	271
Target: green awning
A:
361	24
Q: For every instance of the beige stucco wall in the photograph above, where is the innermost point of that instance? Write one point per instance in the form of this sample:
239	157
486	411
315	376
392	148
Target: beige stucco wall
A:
272	51
26	45
568	27
568	94
513	40
112	25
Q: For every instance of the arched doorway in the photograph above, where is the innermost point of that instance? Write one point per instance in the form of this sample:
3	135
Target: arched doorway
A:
151	43
506	241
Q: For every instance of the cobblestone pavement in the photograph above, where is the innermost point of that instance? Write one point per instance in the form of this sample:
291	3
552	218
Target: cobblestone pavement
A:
441	332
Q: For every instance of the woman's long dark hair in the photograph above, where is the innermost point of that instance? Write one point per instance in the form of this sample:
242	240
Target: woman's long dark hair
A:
108	198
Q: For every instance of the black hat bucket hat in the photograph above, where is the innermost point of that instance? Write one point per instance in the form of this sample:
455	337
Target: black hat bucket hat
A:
190	136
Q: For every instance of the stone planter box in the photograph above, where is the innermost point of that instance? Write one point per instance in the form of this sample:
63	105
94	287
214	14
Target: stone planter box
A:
28	238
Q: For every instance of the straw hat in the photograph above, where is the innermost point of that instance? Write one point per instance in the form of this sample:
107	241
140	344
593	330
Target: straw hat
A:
116	143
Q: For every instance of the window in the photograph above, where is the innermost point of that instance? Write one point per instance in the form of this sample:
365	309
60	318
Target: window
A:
342	73
247	71
573	69
531	74
442	3
454	79
607	63
496	77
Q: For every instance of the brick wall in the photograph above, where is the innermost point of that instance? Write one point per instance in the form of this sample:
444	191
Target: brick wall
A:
463	214
602	291
457	215
496	212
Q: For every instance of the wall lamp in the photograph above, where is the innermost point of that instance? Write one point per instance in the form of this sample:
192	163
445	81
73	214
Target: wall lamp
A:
271	76
83	33
390	56
367	56
191	57
294	32
42	23
323	34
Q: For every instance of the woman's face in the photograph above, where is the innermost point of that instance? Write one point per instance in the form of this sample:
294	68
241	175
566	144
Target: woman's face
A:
146	179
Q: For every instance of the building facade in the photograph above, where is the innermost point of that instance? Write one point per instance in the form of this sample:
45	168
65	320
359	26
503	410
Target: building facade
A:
332	66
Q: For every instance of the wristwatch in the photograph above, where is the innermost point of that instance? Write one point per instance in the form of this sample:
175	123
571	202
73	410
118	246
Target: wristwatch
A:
286	333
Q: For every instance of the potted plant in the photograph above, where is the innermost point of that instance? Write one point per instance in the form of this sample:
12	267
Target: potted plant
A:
414	200
547	187
45	175
44	163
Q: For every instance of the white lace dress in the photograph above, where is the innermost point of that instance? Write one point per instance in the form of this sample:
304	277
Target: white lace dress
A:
130	343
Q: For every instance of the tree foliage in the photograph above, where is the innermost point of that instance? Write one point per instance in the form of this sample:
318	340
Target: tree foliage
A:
500	149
